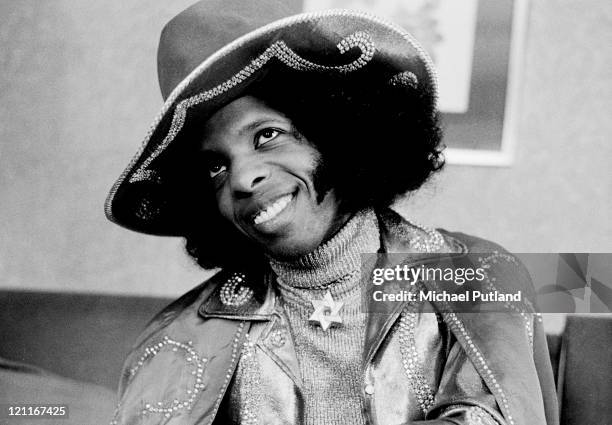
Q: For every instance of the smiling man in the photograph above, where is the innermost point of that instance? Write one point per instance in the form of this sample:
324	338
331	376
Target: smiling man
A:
263	172
280	147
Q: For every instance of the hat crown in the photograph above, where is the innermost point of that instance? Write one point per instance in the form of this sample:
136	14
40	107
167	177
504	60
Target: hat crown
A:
205	27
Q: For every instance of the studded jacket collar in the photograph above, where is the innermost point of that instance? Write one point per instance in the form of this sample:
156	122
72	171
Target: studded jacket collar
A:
509	353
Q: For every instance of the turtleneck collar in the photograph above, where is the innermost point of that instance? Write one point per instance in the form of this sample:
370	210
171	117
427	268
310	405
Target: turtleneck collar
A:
335	259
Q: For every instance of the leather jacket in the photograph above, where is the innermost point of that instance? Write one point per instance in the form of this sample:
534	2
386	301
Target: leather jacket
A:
495	368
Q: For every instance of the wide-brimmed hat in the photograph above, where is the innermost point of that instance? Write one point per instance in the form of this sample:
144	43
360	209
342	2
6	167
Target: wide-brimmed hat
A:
213	51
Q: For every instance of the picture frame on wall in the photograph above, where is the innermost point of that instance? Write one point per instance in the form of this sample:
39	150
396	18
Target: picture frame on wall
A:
477	47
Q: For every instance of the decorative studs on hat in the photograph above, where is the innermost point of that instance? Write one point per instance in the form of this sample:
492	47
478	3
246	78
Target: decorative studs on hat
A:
404	79
279	49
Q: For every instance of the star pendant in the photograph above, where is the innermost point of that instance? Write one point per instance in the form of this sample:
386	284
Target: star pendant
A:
326	313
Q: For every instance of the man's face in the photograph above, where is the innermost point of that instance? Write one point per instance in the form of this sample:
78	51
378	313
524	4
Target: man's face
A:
263	171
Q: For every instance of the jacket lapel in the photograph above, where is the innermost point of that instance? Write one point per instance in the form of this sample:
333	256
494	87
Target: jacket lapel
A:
395	234
259	307
262	308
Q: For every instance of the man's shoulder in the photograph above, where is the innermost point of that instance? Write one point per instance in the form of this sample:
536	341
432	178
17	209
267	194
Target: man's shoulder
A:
394	226
173	352
472	244
504	271
403	235
184	307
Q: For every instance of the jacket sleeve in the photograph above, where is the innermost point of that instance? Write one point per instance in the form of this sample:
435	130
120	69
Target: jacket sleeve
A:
503	340
462	397
147	376
155	325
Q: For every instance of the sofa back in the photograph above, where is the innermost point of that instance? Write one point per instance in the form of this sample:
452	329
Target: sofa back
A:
80	336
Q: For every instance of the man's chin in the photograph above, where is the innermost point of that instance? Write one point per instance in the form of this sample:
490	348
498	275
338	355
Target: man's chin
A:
290	250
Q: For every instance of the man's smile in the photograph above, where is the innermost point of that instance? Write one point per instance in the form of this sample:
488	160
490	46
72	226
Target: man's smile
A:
272	210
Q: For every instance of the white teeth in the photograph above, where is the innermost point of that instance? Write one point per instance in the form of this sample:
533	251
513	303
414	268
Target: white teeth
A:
273	210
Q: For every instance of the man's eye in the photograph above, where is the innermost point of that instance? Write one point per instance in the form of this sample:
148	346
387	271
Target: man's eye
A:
215	169
266	135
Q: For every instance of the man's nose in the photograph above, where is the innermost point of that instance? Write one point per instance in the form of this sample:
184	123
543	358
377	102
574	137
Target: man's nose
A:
247	175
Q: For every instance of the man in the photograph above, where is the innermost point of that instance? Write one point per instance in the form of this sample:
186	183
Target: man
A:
276	156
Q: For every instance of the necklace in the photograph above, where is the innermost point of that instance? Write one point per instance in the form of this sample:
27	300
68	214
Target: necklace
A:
327	312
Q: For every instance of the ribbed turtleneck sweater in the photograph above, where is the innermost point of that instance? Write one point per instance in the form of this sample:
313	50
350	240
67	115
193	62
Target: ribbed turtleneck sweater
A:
330	361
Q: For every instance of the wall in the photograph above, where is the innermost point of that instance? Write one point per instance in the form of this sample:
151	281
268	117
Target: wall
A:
557	197
78	90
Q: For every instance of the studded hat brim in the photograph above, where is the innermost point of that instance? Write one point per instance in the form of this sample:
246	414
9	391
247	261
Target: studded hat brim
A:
338	42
